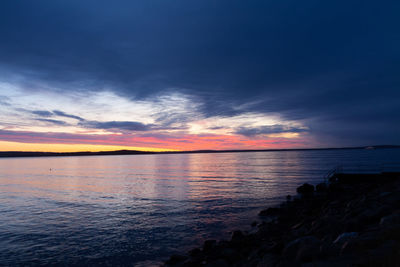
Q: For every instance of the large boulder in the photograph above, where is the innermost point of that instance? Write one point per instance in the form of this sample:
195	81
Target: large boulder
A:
175	260
306	190
322	187
391	220
302	249
218	263
345	237
209	245
269	212
237	235
268	260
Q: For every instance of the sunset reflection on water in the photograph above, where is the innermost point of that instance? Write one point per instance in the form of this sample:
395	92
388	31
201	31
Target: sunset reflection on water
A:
145	207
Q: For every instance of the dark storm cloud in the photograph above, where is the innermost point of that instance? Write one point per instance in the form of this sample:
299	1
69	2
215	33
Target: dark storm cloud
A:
129	126
306	60
57	122
45	113
119	125
49	137
42	113
63	114
273	129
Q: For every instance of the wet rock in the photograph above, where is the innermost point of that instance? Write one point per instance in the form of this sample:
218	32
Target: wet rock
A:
372	215
218	263
237	235
353	225
344	237
369	240
390	232
328	250
223	243
301	231
266	247
387	254
327	227
277	248
269	212
392	200
336	188
209	245
308	252
229	254
176	259
306	190
195	252
268	260
253	256
384	194
322	187
351	247
196	255
302	249
334	228
390	220
297	225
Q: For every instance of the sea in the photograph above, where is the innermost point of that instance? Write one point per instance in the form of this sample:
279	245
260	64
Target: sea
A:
137	210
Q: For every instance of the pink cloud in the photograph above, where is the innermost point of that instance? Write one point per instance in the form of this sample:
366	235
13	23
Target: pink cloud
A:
165	140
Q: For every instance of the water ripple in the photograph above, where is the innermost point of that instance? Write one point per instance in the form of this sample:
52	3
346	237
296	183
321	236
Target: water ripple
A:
125	210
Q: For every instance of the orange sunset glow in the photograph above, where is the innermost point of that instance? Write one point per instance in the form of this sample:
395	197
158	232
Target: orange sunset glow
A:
106	121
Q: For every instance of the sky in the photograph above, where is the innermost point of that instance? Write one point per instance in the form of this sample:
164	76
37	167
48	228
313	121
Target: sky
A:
192	75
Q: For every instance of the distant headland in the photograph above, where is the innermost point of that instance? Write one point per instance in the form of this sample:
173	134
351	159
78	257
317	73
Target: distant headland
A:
137	152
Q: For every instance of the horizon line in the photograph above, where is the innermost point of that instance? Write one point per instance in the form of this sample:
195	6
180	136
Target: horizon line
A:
141	152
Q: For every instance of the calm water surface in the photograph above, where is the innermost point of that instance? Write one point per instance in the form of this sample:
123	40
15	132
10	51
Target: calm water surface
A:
141	208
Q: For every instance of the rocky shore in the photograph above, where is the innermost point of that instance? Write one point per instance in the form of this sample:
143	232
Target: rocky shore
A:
351	220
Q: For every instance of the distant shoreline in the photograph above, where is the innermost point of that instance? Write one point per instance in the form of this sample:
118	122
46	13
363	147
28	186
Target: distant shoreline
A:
14	154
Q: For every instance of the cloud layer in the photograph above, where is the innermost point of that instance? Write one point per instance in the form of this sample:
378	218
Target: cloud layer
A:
329	71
